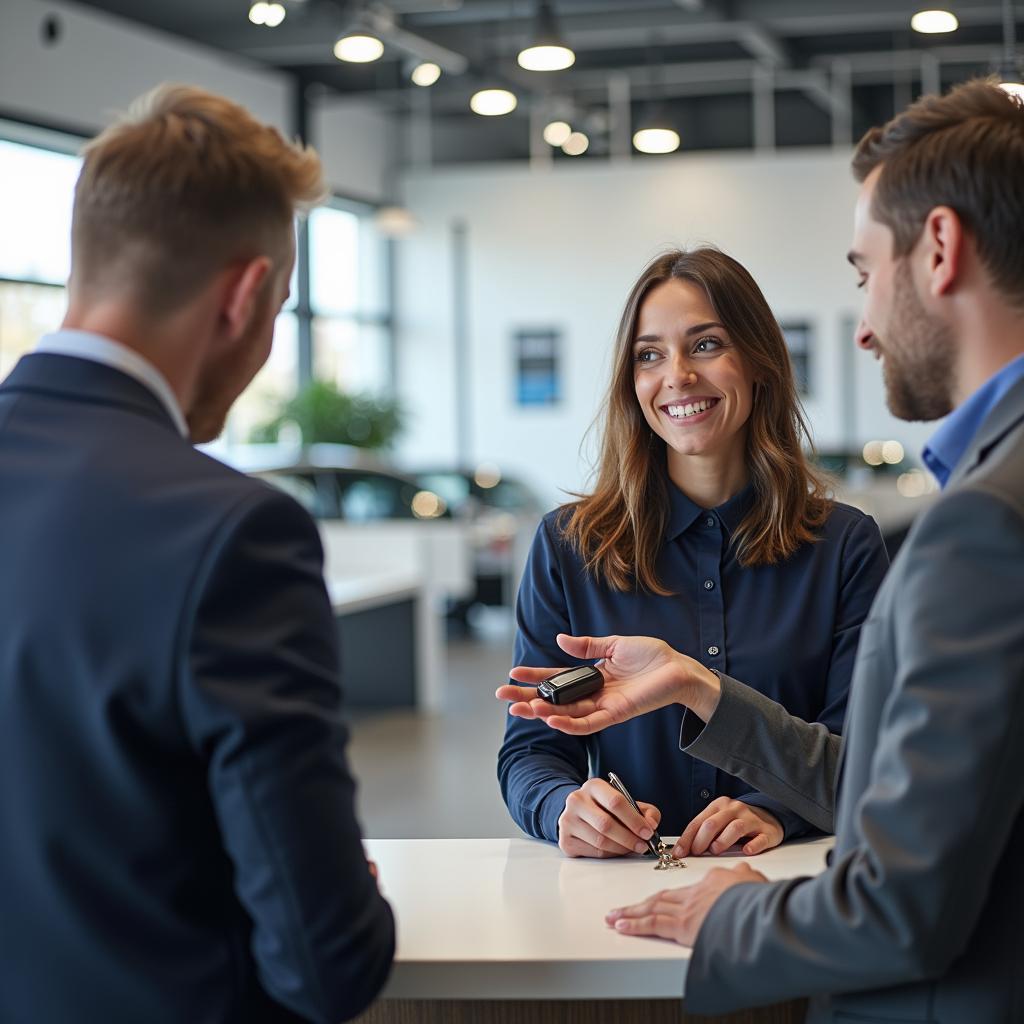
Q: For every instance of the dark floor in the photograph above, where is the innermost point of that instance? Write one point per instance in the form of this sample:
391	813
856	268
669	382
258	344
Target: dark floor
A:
433	776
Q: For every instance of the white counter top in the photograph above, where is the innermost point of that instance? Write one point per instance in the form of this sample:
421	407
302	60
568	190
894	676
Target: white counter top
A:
514	918
371	590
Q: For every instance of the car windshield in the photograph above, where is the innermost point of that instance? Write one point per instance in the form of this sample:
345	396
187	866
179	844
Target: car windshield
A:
451	488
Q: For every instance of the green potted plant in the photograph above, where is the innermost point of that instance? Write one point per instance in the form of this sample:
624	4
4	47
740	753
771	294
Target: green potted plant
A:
325	415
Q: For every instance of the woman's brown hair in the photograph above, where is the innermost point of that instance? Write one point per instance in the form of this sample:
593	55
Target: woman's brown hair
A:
620	528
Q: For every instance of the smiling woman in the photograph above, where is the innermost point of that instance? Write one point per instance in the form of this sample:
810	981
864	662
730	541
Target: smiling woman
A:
708	529
697	327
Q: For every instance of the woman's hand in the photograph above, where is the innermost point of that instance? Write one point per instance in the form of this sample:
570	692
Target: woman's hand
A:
641	674
723	823
598	821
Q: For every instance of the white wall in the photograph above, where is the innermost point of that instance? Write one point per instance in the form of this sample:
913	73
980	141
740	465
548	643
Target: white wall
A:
563	246
102	62
358	144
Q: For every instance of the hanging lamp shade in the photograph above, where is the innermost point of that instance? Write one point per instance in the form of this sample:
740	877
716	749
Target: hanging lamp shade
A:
656	132
547	50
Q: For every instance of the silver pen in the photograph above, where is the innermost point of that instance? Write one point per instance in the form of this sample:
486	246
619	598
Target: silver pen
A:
655	843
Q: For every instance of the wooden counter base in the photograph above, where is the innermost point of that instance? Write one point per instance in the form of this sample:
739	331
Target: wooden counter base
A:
569	1011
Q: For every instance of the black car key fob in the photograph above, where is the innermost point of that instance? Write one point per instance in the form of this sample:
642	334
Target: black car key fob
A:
570	685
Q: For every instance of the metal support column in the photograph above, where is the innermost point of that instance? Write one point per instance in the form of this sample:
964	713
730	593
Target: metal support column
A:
763	97
460	324
303	311
620	107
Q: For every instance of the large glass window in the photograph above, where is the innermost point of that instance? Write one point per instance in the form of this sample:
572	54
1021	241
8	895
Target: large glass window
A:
349	300
36	190
350	324
349	318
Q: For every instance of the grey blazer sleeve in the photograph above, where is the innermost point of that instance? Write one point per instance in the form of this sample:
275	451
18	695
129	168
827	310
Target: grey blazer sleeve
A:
756	739
938	691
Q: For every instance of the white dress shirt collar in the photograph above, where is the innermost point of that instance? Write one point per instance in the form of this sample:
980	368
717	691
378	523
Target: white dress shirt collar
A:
98	349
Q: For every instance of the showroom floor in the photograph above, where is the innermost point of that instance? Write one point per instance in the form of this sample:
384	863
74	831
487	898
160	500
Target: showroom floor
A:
433	776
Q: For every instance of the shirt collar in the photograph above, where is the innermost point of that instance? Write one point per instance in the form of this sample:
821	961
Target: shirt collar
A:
683	512
950	442
98	349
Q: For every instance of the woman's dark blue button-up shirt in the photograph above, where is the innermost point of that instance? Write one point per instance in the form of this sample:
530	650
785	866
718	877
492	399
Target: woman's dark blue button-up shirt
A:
789	630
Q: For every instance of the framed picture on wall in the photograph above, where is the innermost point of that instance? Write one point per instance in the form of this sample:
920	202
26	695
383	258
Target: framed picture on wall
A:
799	335
538	370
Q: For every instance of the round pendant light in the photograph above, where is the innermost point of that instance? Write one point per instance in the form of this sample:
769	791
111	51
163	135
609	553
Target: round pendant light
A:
547	49
576	145
425	74
493	102
934	22
557	132
358	49
656	140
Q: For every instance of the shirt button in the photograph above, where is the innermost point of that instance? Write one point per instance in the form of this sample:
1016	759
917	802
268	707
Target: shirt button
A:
709	584
710	521
713	651
705	793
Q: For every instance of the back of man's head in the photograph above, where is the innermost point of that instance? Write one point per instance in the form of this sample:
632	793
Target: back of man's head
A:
964	150
185	184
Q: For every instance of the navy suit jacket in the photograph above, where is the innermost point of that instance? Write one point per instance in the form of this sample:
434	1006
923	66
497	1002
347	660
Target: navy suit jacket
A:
179	835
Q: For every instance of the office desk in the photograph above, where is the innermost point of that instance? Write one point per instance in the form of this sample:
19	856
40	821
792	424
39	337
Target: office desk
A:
510	930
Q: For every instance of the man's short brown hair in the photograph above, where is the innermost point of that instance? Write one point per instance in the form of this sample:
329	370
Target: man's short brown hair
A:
182	185
964	150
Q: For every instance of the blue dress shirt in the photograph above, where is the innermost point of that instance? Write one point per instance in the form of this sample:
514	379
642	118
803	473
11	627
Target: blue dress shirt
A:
789	630
948	444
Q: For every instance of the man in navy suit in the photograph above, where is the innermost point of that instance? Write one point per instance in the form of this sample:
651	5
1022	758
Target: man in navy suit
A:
180	842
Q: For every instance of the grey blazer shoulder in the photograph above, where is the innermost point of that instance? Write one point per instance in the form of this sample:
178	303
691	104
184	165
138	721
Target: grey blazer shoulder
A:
917	916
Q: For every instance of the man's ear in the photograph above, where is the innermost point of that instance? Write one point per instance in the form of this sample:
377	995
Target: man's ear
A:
244	283
943	239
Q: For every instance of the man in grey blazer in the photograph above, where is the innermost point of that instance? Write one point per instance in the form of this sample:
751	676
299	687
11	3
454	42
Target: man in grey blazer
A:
917	916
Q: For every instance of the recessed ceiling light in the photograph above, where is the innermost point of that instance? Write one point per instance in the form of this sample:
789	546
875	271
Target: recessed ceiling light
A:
556	133
934	22
493	102
656	140
426	74
358	49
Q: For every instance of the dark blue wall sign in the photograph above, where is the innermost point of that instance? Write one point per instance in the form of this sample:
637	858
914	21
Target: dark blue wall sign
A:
538	365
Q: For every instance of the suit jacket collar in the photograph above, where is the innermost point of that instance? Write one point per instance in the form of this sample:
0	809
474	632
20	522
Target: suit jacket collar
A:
1008	413
84	380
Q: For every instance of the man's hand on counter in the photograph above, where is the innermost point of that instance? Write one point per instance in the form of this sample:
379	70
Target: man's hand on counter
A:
641	674
678	914
599	822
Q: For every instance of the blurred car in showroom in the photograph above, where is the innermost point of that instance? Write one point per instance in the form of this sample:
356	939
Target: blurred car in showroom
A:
356	494
503	513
